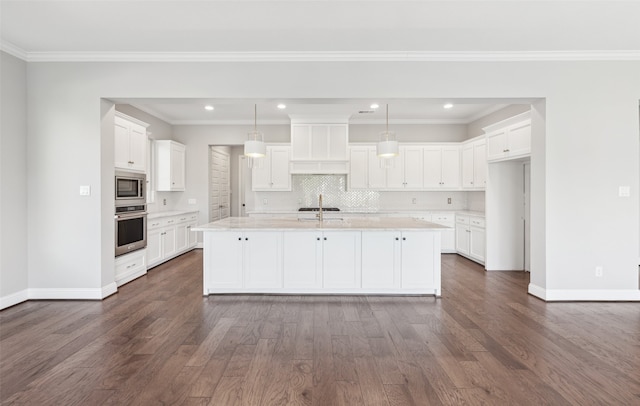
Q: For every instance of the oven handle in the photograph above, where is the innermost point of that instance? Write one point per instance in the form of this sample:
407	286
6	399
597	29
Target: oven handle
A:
129	216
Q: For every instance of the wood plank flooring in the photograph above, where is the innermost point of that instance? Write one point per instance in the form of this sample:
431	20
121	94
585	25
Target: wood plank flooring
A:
158	341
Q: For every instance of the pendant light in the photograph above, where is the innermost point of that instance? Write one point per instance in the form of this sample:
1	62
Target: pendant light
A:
255	147
387	146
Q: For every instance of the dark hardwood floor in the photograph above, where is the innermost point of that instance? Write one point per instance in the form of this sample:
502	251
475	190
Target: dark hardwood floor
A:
158	341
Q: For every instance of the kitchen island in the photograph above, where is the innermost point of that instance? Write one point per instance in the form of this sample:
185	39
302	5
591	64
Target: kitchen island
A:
357	255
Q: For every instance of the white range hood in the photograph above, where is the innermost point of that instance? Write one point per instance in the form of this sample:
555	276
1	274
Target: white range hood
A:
319	144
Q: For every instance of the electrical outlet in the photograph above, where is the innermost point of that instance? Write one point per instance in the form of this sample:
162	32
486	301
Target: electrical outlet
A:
265	202
85	190
599	271
192	201
164	202
448	200
624	191
414	200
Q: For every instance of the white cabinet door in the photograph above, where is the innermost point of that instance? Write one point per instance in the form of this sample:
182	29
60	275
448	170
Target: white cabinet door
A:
261	174
462	239
319	142
280	174
300	142
418	258
432	164
169	166
121	152
338	142
168	242
467	166
381	259
376	171
154	247
450	167
358	168
182	239
224	260
192	236
138	147
302	259
262	259
480	164
497	145
477	243
341	259
520	139
177	167
413	171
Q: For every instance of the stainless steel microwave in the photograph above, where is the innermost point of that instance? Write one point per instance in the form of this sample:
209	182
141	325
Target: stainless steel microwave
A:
130	188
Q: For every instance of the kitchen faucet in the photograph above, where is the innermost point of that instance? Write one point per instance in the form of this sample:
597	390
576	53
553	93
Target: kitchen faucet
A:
319	215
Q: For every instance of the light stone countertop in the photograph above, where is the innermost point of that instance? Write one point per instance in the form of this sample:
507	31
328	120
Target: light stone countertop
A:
168	213
346	224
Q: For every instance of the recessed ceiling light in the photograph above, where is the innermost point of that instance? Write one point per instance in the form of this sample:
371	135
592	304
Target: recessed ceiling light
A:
374	106
448	105
282	106
209	108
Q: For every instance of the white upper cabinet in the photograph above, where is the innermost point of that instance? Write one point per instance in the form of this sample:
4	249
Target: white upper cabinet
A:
406	170
273	172
130	149
319	145
474	164
169	165
366	170
510	138
441	166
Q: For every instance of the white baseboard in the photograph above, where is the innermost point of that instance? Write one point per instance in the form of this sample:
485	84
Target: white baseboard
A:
14	298
585	295
62	294
110	289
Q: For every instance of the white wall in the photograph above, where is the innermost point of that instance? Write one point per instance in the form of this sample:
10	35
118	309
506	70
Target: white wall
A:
590	147
13	180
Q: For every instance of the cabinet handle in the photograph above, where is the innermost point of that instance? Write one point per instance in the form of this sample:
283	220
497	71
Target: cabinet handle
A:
170	221
239	238
318	238
184	218
246	239
472	183
397	238
404	238
325	238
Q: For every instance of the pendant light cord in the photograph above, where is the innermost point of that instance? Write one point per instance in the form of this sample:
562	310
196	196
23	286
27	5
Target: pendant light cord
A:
387	133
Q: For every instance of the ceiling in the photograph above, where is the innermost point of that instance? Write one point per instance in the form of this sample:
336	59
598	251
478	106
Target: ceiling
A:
98	30
401	111
319	30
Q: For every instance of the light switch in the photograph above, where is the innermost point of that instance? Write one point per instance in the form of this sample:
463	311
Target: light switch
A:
192	201
85	190
624	191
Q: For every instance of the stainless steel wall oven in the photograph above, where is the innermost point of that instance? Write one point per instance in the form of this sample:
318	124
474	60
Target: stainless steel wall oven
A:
130	229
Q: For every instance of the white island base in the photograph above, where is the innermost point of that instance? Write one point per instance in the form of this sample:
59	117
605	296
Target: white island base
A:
358	256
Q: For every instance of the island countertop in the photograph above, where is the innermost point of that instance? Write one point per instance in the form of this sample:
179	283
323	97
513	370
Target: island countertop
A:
348	223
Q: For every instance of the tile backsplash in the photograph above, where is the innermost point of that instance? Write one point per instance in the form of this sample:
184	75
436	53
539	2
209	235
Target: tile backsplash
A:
306	188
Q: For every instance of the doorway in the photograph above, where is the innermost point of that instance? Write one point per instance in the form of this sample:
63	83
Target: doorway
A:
219	184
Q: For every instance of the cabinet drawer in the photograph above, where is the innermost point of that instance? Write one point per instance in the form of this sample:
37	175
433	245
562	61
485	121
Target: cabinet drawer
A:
444	219
127	263
462	219
476	221
155	223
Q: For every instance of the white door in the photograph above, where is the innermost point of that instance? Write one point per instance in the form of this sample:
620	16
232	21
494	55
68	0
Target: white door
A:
177	167
520	140
219	198
262	260
413	167
358	166
168	242
467	166
121	152
182	238
477	243
138	147
377	171
224	262
450	167
154	247
497	145
462	239
480	164
280	174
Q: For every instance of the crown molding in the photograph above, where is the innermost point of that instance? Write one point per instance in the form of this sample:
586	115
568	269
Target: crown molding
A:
13	50
316	56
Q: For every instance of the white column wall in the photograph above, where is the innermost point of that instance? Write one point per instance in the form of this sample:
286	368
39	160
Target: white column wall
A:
591	146
13	181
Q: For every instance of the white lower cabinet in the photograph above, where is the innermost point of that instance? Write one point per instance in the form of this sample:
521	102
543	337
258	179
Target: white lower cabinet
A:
130	266
243	260
170	236
314	260
470	237
404	261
